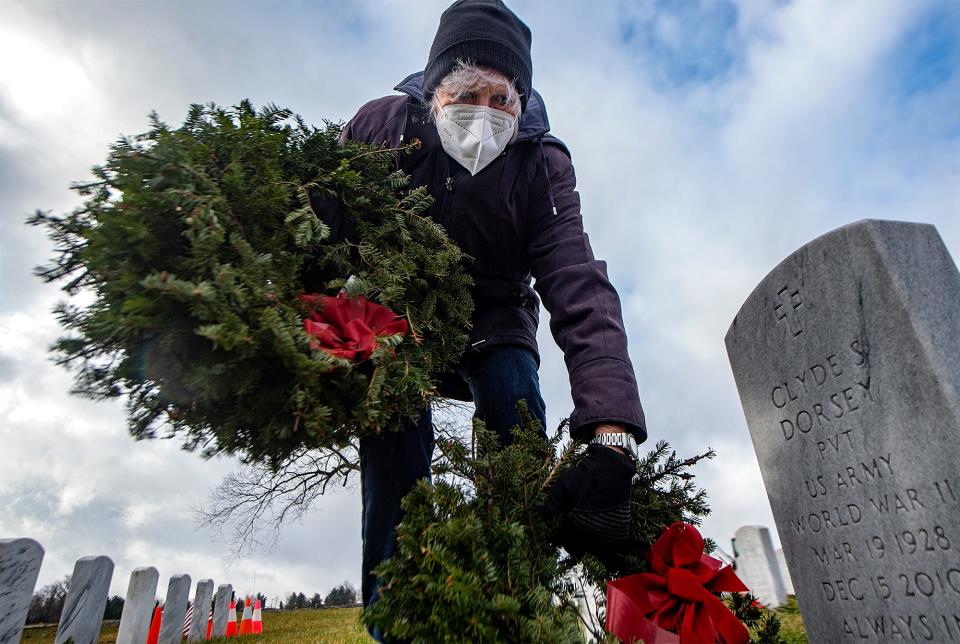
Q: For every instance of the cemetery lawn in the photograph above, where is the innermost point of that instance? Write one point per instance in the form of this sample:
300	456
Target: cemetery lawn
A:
339	625
342	626
333	625
791	624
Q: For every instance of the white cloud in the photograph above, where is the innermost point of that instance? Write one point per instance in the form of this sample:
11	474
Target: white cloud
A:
48	86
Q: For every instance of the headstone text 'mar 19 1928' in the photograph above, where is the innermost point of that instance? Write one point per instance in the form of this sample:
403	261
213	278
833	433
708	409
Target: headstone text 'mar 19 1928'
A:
847	361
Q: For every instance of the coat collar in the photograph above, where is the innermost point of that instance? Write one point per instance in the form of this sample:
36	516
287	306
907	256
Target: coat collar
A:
533	121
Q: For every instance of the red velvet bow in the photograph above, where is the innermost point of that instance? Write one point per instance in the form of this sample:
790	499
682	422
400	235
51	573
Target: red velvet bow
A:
677	597
348	327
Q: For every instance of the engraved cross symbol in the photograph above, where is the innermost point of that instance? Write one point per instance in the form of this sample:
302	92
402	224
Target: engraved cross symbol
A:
788	301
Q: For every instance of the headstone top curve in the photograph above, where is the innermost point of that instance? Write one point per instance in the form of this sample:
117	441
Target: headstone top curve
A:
22	542
867	225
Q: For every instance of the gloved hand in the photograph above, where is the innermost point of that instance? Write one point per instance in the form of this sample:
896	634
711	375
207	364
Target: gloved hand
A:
593	500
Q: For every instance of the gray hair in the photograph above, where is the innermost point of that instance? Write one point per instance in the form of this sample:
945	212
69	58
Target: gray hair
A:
468	77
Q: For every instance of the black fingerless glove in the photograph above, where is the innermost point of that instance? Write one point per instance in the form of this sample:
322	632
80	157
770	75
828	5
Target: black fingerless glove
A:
593	501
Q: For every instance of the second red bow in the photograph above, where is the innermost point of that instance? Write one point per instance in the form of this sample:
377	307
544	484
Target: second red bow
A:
676	602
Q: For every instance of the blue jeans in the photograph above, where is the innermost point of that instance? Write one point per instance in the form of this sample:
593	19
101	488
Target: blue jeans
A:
392	463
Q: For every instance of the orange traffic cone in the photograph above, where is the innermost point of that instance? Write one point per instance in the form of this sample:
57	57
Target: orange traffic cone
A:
257	619
154	633
246	623
232	620
210	625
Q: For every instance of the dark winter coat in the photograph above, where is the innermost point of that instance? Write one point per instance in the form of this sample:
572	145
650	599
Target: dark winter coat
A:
519	218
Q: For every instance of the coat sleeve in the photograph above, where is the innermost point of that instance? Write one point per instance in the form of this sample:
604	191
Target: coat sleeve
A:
379	121
371	124
585	315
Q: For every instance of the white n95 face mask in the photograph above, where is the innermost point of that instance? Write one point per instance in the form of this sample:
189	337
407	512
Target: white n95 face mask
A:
475	135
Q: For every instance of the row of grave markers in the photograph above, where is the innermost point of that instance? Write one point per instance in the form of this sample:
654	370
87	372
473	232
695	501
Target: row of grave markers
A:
86	600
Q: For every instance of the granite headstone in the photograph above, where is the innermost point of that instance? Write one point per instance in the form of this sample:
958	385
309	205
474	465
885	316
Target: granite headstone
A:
201	611
20	561
757	565
174	610
87	597
847	361
221	609
138	606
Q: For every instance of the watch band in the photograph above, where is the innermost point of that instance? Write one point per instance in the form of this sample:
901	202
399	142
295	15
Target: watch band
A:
623	440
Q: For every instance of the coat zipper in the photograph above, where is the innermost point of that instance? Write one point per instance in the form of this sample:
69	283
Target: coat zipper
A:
447	200
445	219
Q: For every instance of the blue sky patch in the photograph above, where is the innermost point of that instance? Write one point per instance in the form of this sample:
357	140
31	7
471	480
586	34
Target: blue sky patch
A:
928	55
683	43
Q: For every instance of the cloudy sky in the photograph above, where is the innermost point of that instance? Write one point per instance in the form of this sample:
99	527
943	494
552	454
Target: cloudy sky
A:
711	139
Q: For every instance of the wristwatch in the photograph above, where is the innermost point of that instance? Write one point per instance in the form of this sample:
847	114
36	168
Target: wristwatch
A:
623	440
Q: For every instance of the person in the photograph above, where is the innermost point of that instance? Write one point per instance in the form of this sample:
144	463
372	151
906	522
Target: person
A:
505	191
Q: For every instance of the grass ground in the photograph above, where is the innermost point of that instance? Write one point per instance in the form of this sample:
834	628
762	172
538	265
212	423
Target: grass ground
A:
334	625
791	624
342	626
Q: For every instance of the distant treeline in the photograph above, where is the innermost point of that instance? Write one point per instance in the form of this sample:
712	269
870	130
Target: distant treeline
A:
47	603
343	595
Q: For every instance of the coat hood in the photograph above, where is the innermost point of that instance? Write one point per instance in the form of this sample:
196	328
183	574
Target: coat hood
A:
533	120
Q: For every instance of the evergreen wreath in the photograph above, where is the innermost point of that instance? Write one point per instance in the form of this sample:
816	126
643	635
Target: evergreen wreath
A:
198	245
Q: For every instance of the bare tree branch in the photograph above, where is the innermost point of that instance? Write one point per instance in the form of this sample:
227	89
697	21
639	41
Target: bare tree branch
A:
251	504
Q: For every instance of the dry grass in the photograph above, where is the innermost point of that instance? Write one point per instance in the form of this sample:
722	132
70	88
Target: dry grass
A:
342	626
46	634
791	623
333	625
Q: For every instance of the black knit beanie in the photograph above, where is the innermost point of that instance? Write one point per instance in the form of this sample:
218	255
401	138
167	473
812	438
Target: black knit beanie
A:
486	33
